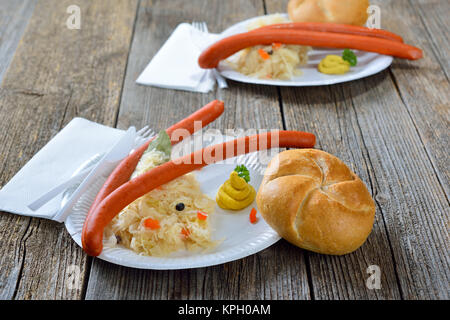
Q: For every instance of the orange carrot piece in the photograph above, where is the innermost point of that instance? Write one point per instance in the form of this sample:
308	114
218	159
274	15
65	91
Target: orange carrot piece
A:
276	45
151	224
202	215
263	54
253	218
185	232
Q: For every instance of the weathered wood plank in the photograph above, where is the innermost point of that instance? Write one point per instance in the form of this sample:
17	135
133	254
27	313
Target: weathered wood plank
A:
277	272
425	92
14	16
424	85
366	123
414	206
434	16
56	74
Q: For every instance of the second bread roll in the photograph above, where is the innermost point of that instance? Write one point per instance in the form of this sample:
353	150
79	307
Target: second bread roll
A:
313	200
335	11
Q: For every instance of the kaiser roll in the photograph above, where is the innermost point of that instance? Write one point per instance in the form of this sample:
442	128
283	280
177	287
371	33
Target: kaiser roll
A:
313	200
335	11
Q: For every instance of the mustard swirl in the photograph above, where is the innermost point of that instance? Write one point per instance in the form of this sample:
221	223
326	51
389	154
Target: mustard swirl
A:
235	193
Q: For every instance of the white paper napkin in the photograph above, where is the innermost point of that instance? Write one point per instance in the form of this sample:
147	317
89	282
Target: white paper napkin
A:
175	65
79	141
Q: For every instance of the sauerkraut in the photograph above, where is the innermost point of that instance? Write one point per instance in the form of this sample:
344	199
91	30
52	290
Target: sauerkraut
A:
178	229
282	62
277	61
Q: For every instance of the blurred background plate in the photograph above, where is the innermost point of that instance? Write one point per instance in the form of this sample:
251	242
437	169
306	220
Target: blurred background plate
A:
368	64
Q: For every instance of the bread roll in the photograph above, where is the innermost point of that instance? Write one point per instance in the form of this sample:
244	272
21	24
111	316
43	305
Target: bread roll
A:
313	200
335	11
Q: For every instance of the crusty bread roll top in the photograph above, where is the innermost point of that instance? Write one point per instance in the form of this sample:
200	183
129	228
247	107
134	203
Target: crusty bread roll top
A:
335	11
313	200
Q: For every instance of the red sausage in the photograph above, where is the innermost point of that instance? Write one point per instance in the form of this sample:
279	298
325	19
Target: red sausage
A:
139	186
224	48
336	28
123	171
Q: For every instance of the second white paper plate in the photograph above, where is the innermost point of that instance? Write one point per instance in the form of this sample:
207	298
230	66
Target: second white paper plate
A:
368	64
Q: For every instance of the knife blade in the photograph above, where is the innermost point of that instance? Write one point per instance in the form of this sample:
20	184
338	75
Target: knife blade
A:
120	150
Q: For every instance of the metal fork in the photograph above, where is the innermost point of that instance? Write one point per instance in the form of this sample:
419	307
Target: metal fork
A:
143	136
203	27
71	184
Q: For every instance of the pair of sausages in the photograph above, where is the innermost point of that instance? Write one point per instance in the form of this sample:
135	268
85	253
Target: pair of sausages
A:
118	191
124	170
326	35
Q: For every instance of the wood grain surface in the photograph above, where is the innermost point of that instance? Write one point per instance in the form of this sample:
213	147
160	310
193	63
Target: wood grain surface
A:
56	74
424	86
14	16
368	125
390	128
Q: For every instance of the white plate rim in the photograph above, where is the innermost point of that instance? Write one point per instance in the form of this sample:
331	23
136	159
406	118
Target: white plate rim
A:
382	62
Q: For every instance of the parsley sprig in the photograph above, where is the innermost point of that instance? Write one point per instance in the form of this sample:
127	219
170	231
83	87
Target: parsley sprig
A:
243	172
350	56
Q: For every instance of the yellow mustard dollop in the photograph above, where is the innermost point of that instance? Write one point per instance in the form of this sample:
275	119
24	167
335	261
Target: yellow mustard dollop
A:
333	64
235	193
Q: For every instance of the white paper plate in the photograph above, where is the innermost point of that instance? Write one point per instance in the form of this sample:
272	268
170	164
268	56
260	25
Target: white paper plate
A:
240	237
368	64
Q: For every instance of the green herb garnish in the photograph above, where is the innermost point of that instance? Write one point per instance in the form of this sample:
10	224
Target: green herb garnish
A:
161	143
350	56
243	172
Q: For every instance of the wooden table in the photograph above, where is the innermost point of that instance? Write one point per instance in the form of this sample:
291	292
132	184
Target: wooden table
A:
390	128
